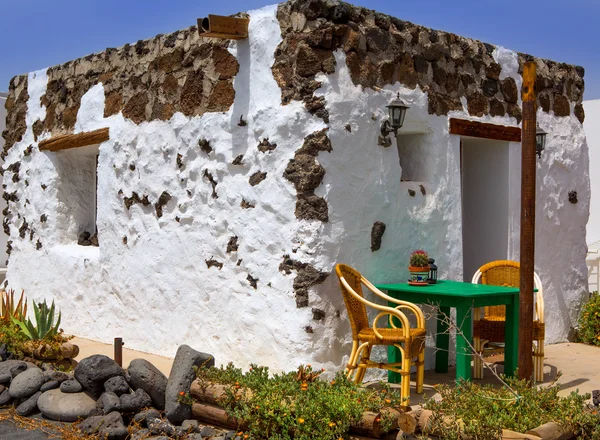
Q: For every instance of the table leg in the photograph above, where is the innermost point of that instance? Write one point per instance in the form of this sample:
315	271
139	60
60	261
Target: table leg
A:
394	354
463	351
511	337
442	340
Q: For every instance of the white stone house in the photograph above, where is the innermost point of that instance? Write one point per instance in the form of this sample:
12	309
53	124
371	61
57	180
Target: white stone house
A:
592	132
234	175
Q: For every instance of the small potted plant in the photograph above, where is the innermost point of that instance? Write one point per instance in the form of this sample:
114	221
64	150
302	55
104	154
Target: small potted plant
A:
419	268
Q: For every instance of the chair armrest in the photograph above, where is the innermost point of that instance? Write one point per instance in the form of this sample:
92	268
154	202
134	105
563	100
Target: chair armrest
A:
402	304
384	309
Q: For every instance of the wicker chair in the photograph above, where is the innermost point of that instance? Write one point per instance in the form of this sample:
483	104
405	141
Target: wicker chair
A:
410	341
488	329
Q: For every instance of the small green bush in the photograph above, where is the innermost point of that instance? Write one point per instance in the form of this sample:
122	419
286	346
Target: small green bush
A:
296	405
589	321
13	337
482	411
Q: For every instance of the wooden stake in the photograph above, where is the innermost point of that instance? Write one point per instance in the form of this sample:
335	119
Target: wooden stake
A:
528	170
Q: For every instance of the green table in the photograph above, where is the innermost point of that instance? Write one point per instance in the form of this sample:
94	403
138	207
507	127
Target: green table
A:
464	297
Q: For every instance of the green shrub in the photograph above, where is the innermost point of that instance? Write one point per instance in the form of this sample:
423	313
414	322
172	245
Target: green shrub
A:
296	405
13	337
483	411
589	321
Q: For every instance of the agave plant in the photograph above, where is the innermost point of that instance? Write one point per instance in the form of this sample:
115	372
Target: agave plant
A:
8	309
45	327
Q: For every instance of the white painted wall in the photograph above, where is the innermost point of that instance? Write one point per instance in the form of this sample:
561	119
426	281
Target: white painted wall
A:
157	292
592	132
3	238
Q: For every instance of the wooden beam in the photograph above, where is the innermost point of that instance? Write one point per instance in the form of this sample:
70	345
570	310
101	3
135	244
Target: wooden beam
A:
527	256
484	130
218	26
66	141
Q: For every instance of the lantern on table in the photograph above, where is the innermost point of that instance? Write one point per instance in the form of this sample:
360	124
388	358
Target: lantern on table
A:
432	272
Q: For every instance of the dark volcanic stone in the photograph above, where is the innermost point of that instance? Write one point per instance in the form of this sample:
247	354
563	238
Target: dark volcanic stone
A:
71	386
29	406
117	385
93	371
110	426
26	383
59	376
180	379
110	402
132	403
50	386
145	415
5	397
376	233
143	375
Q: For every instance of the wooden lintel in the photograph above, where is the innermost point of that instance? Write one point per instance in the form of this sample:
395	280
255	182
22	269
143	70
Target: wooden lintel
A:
66	141
484	130
228	28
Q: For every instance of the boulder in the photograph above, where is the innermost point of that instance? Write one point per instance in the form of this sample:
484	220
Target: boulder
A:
65	407
141	434
93	371
146	376
109	426
180	379
26	383
71	386
117	385
50	386
110	402
59	376
132	403
5	398
29	406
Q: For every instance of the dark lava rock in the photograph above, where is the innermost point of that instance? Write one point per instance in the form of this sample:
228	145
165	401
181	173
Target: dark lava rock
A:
5	398
93	371
117	385
71	386
160	426
190	425
50	386
132	403
29	406
145	415
59	376
18	369
110	426
110	402
143	375
4	354
208	431
180	379
596	397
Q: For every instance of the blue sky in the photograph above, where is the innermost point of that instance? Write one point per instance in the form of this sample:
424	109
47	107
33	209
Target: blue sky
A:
41	33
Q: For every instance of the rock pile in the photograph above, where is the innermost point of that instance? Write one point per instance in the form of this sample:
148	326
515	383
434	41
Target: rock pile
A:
105	399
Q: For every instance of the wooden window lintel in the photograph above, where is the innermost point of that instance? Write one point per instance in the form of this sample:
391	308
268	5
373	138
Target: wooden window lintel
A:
66	141
485	130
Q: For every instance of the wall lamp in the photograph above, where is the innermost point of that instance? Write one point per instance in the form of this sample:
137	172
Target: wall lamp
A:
540	140
397	111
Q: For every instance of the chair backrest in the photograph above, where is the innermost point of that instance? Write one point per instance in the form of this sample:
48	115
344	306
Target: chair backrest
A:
357	312
506	273
500	273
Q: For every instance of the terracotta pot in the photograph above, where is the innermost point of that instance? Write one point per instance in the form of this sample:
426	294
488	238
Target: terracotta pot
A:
418	275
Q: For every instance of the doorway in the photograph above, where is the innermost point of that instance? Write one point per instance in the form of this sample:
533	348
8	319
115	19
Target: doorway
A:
485	202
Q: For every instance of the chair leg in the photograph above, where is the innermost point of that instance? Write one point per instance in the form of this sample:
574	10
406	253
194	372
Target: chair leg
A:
420	371
405	383
477	364
351	361
538	361
366	355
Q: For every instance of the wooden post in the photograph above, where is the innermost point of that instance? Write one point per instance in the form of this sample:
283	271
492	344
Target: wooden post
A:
528	169
119	351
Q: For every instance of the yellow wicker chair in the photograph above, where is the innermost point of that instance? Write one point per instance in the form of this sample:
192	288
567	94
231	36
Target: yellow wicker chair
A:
488	328
410	341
